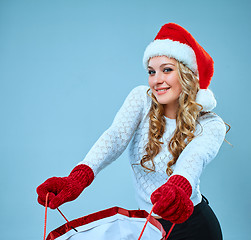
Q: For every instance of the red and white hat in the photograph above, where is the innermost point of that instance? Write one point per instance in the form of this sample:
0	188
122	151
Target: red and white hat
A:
176	42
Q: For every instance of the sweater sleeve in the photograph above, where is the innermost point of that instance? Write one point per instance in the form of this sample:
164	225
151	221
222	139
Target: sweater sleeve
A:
201	151
115	139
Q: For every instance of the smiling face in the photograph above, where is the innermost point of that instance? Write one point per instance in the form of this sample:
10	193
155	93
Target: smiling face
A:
164	83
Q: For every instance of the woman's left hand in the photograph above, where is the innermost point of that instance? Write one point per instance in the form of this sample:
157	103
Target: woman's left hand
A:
173	200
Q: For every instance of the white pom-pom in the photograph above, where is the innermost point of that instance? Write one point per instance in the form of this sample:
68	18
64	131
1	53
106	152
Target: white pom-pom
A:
206	98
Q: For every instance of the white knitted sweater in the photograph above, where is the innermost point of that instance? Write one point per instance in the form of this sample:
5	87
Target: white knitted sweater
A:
132	123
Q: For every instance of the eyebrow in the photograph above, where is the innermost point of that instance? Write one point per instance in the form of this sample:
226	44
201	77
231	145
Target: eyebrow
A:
163	65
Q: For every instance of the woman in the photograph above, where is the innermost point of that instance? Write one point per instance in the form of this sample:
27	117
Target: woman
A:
173	135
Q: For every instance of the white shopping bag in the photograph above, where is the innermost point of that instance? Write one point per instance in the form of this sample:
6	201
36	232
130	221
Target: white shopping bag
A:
110	224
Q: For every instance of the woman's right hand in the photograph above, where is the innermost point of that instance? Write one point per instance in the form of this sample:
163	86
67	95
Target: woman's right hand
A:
65	189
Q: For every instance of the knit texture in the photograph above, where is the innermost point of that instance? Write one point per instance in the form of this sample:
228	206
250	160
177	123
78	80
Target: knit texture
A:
181	182
131	124
65	189
172	200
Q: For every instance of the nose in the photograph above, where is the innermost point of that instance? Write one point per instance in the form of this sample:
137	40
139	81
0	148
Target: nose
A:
159	78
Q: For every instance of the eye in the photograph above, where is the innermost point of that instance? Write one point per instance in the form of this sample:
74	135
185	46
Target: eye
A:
167	70
151	72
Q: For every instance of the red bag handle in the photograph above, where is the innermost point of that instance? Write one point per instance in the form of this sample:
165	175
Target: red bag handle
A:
147	220
45	217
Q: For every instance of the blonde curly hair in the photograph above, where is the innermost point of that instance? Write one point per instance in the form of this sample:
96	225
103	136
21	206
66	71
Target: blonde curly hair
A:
186	119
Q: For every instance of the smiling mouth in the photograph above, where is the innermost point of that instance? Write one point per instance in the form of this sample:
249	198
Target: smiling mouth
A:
163	90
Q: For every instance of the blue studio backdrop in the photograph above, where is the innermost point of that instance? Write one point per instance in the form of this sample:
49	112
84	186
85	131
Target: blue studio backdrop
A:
66	67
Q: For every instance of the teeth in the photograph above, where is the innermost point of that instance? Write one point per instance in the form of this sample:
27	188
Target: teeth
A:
162	90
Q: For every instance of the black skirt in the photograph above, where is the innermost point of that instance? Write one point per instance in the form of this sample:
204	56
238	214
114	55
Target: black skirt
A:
201	225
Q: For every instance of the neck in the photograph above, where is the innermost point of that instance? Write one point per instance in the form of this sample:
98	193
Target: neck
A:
170	110
171	116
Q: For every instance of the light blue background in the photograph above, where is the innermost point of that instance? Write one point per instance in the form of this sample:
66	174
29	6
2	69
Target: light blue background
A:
66	68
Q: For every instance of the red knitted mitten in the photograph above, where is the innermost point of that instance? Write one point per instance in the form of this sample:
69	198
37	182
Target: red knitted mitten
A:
65	189
173	200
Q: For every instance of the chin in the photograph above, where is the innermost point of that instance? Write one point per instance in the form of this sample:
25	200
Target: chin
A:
166	101
162	101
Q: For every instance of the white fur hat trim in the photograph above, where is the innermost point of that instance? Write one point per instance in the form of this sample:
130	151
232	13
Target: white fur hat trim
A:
174	49
206	98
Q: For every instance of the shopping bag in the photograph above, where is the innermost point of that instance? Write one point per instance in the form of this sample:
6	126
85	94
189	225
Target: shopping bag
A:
110	224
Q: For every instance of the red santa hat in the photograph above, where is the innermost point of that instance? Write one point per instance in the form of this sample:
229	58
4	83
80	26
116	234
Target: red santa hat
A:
176	42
